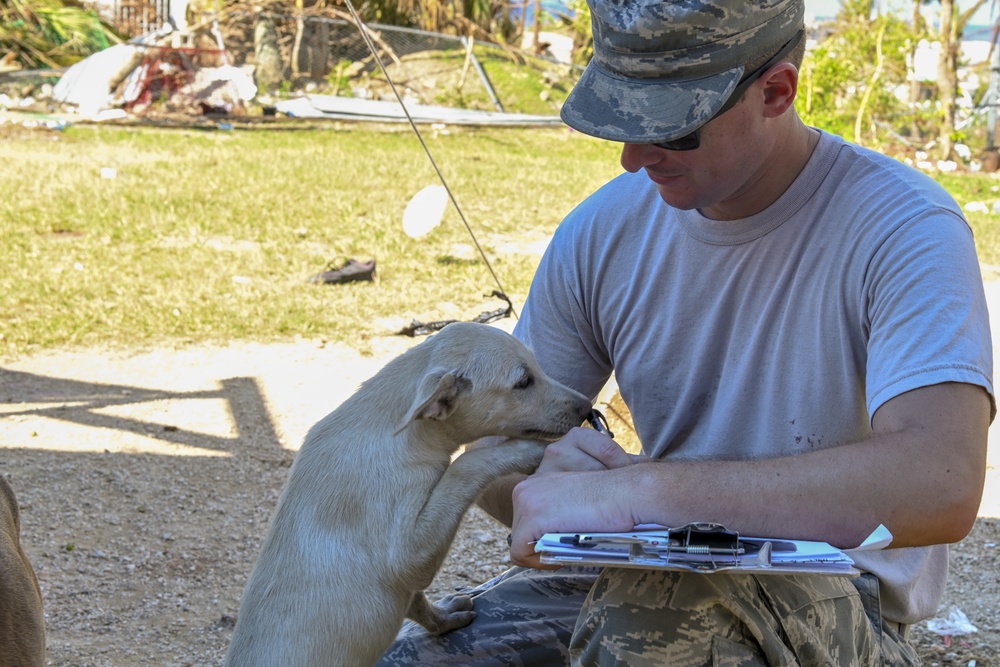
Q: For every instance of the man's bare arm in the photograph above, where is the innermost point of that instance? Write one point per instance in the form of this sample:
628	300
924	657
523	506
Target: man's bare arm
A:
921	474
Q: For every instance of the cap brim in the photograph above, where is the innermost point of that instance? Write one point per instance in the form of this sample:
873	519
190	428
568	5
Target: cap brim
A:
644	110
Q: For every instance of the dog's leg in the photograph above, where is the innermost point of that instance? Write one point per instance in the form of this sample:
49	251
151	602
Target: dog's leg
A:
452	496
451	613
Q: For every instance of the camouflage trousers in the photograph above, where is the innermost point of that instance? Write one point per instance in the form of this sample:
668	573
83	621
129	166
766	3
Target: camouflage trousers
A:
641	618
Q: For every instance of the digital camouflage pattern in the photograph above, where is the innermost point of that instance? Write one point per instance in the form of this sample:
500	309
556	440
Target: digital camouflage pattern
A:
646	618
662	69
524	618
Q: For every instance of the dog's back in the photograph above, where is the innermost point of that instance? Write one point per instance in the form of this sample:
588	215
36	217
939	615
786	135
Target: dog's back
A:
22	624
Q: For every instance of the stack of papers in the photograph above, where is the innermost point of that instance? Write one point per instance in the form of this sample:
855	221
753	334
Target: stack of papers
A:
703	547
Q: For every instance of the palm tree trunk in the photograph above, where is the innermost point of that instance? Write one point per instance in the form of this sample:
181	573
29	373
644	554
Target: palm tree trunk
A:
947	78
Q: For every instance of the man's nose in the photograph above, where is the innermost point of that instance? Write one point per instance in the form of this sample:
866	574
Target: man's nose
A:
638	156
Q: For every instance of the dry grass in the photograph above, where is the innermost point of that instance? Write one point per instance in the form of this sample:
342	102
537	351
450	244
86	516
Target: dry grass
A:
206	236
210	235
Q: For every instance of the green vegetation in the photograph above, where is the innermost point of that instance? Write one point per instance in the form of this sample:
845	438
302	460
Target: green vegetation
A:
837	87
534	87
210	236
49	33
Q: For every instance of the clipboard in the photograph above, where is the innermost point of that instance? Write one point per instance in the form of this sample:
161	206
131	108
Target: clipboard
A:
703	547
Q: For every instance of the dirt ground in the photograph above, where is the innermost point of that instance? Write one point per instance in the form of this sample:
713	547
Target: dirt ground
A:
146	480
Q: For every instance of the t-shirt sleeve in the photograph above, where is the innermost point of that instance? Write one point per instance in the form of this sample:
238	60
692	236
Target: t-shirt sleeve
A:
927	315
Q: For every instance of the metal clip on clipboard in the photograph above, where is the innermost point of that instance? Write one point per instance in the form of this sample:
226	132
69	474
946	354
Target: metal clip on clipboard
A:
701	546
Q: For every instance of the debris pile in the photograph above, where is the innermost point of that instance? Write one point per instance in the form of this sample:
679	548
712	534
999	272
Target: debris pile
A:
256	61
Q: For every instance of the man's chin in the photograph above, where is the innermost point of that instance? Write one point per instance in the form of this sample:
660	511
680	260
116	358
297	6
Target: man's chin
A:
675	199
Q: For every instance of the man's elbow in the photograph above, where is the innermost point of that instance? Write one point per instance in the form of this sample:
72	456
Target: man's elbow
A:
960	519
952	516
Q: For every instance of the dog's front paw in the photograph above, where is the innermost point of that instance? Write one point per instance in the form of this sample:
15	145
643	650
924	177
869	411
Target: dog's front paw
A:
524	455
452	612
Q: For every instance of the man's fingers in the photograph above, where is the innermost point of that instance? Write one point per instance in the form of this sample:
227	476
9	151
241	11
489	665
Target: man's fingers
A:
584	449
526	557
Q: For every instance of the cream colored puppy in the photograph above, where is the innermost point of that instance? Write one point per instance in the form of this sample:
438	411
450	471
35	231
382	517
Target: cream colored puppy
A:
22	623
372	505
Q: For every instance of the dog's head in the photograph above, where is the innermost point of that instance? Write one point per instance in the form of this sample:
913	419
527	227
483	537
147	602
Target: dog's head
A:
482	381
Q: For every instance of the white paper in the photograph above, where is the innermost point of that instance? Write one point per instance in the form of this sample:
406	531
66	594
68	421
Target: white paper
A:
782	555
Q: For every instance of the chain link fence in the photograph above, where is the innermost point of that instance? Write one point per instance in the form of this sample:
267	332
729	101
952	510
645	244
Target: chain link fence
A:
328	55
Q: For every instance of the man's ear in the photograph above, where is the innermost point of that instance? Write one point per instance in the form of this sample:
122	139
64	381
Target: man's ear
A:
436	396
780	85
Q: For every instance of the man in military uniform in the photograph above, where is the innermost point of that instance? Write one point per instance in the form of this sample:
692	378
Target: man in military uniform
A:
799	329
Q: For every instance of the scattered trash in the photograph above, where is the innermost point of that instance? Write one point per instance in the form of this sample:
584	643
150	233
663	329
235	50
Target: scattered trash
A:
947	166
351	271
421	329
109	114
976	207
425	211
387	111
89	84
109	172
957	623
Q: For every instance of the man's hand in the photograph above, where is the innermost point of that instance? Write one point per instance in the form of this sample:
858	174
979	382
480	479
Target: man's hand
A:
585	449
570	490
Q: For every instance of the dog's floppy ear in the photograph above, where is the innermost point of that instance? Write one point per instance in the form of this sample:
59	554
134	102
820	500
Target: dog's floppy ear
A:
436	396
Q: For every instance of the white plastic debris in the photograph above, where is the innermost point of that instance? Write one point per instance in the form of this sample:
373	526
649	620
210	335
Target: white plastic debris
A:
946	166
976	207
957	623
109	114
425	211
89	83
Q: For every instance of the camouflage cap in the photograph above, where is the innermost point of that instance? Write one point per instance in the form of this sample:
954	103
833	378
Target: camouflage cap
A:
663	68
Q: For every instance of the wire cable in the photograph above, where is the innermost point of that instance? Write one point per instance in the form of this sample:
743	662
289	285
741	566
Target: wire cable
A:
371	47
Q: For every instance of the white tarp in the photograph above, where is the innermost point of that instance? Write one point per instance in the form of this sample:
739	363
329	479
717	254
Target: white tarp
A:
351	108
89	84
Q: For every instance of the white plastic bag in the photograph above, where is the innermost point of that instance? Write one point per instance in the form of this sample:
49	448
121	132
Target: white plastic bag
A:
957	623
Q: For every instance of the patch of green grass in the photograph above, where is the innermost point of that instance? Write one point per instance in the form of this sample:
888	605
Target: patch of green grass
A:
534	86
210	236
538	89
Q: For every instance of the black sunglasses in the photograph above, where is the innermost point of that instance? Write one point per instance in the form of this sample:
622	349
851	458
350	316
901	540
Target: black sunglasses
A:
692	140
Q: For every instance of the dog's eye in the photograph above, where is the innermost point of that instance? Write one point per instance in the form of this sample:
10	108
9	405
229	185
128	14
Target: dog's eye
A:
525	382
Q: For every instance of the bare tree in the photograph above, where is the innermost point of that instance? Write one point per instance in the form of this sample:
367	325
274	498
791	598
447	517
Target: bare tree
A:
950	28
